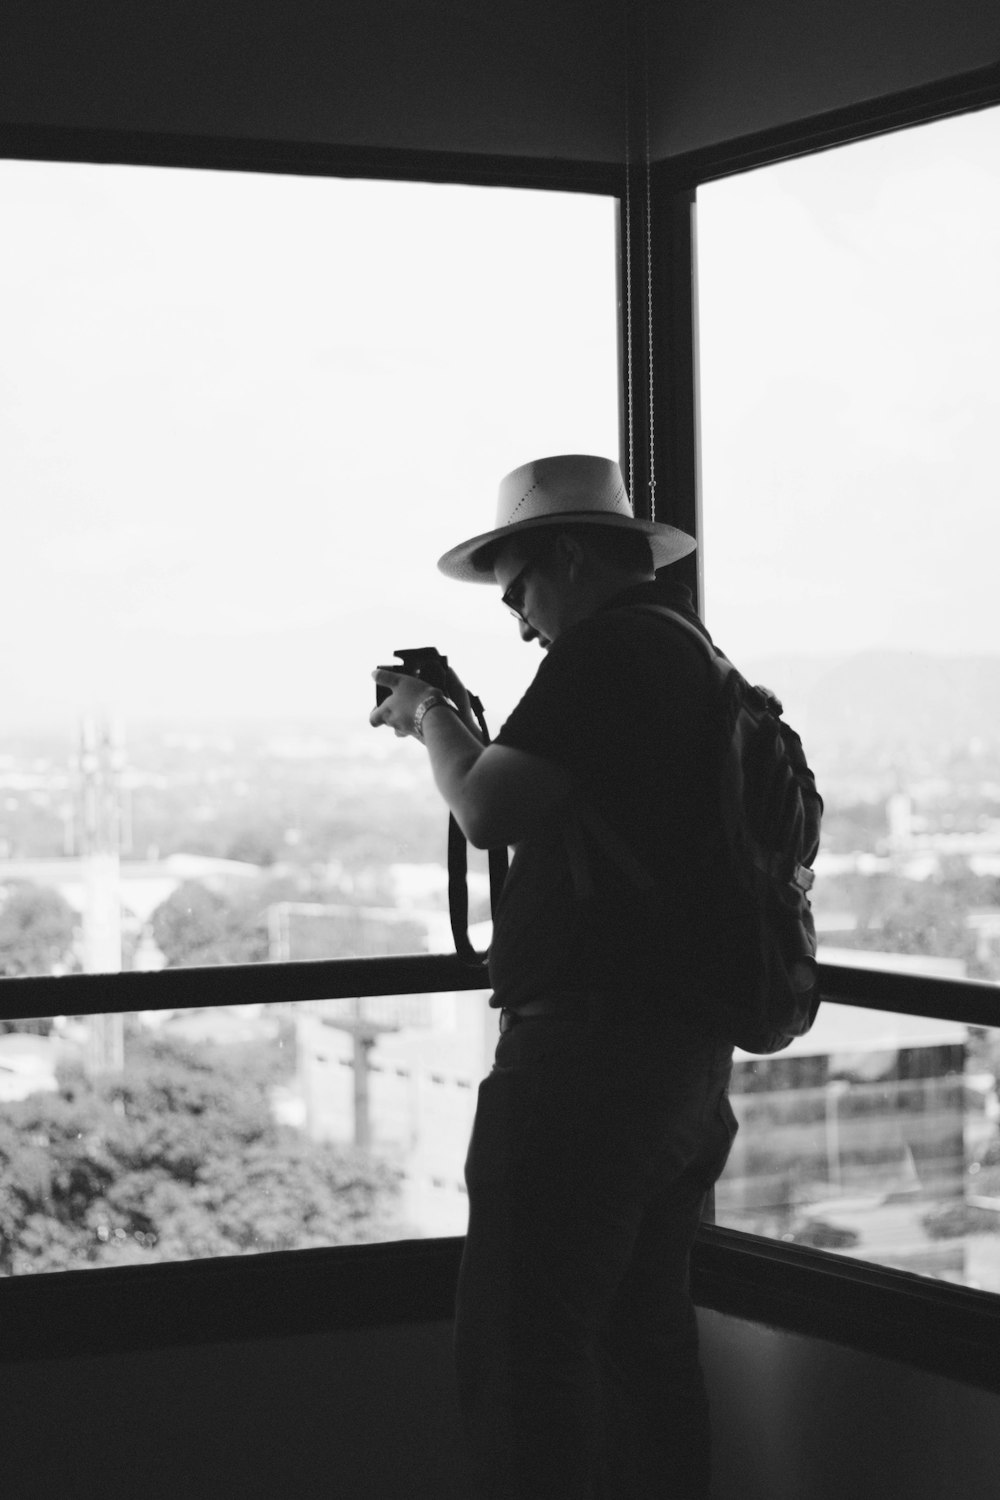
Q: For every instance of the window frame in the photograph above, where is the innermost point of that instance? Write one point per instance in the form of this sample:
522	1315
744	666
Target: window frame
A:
656	211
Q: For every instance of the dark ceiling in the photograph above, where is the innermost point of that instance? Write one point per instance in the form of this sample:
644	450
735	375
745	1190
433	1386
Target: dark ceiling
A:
493	78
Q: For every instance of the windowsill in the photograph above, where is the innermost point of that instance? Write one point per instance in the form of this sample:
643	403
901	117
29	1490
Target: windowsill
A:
934	1325
949	1330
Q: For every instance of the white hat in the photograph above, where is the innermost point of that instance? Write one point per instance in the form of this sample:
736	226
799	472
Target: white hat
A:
574	488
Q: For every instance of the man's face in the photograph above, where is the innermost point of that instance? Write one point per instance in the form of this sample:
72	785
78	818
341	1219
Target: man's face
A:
533	592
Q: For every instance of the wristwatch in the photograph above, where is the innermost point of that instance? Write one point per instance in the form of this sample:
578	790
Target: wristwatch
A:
432	700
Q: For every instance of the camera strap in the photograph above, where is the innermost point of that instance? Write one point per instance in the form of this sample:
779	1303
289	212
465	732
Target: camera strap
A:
458	873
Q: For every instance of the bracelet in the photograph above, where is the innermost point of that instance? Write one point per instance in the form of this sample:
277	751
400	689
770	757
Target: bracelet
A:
432	700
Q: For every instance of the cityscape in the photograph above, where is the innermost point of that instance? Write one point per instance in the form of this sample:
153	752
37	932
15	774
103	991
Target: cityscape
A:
876	1136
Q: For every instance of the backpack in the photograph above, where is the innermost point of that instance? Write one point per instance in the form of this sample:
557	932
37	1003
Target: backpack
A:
761	968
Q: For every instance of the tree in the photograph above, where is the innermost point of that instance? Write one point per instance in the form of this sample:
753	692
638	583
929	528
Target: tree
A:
925	917
196	925
254	846
37	930
176	1158
350	934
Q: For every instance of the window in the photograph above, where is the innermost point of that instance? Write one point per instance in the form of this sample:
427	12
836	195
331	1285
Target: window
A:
850	313
877	1136
128	1140
242	417
849	317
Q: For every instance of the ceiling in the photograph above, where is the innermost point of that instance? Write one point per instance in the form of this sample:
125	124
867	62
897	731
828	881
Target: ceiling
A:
488	78
727	69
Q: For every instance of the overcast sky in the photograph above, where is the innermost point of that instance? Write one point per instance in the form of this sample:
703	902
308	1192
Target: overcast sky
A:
850	328
241	417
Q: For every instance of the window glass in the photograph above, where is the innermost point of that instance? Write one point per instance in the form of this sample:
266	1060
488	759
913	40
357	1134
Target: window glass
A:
849	322
236	1130
849	317
241	418
877	1136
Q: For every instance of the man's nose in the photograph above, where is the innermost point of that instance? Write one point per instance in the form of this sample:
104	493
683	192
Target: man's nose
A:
527	632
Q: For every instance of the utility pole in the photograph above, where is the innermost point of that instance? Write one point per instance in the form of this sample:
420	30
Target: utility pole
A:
364	1041
100	761
364	1033
355	1017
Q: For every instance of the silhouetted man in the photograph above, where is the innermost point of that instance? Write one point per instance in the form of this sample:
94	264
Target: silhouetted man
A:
605	1119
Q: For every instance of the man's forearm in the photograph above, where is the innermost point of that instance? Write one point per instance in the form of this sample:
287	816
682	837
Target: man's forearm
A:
497	794
454	750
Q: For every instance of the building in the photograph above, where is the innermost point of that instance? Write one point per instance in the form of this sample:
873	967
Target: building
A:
851	1137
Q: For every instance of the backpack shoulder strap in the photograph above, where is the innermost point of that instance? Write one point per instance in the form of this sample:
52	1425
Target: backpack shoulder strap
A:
718	658
586	819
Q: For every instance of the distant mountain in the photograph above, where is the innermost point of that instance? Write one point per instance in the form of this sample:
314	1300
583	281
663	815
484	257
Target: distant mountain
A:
887	697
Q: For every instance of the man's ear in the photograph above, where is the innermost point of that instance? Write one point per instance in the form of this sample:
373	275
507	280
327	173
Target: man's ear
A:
570	552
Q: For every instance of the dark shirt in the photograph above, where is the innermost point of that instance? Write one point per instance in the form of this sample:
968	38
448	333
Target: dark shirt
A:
622	702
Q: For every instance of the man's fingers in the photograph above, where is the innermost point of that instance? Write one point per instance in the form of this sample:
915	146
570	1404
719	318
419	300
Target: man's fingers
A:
395	682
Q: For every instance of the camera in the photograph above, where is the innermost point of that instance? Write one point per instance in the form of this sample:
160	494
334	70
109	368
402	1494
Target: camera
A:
417	661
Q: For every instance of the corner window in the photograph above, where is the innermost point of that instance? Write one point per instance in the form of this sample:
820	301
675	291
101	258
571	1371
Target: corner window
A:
849	321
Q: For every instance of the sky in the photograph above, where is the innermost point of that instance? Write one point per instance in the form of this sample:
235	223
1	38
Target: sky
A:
849	329
241	417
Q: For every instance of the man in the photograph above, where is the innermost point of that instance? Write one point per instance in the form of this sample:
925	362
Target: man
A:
605	1119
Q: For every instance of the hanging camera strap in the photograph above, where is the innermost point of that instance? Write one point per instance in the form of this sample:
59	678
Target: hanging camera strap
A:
458	871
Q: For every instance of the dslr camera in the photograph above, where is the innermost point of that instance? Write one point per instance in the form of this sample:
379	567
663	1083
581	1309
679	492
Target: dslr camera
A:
417	661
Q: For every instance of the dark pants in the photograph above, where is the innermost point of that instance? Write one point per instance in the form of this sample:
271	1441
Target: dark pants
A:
597	1135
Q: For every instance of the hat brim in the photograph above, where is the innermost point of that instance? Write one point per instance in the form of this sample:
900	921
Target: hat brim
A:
668	543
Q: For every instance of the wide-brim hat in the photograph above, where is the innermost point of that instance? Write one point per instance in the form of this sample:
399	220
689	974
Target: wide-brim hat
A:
570	489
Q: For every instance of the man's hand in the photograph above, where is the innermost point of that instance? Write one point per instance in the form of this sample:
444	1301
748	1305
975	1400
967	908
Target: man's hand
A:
397	711
498	795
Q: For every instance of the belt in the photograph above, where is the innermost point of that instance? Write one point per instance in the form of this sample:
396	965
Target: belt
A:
542	1005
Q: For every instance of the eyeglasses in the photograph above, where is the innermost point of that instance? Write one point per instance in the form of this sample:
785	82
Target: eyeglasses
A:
513	596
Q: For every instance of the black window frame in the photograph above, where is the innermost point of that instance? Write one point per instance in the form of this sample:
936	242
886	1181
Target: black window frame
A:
899	1315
